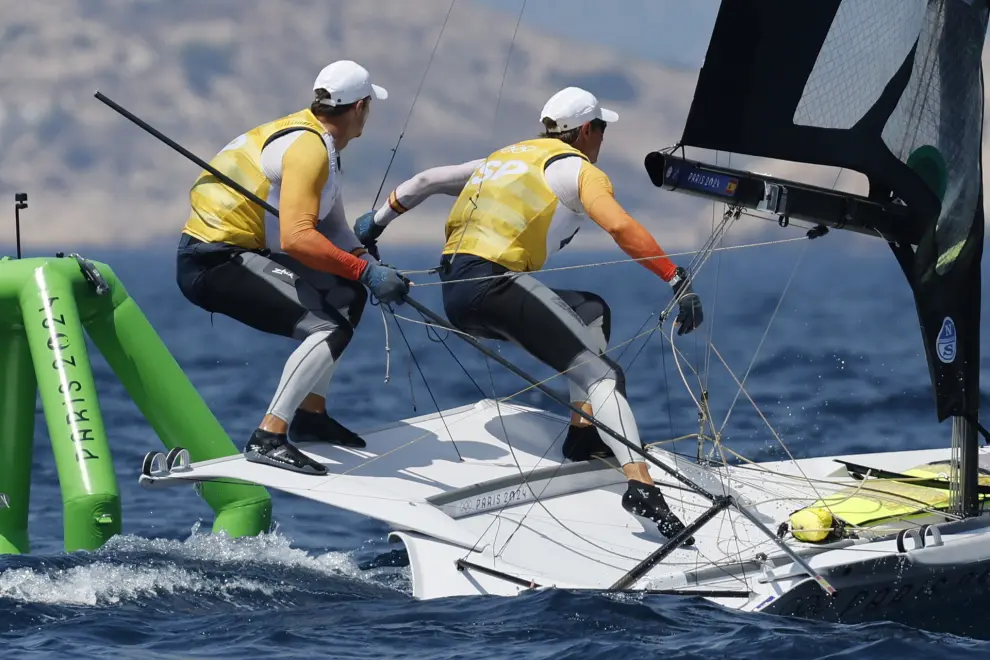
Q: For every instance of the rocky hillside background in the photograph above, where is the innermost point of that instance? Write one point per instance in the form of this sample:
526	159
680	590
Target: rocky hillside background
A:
202	71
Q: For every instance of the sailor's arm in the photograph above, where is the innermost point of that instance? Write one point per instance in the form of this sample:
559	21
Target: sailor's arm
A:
447	180
305	169
598	199
335	228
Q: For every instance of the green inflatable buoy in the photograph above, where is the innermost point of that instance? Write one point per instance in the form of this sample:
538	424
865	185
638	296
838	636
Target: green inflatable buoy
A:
929	164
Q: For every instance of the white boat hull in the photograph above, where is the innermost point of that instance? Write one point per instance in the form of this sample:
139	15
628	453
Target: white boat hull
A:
484	505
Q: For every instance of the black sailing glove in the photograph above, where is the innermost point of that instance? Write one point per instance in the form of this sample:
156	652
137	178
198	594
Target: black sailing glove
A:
386	283
367	231
689	314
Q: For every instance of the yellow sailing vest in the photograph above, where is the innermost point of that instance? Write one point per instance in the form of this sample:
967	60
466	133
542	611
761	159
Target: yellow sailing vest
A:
220	213
503	213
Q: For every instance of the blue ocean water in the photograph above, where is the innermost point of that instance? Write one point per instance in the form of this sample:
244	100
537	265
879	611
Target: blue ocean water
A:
841	369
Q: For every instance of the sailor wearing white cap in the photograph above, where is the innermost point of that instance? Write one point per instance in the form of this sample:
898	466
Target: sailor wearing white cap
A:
514	209
298	274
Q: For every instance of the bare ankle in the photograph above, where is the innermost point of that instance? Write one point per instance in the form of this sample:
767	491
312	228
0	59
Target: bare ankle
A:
576	419
274	424
314	404
638	471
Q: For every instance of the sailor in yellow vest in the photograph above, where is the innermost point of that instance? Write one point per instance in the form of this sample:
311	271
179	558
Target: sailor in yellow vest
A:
514	209
298	274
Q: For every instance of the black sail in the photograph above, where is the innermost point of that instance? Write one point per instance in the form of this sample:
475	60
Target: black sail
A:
892	89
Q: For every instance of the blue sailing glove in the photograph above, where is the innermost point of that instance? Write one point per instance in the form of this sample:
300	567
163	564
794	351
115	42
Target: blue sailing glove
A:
386	283
689	313
368	232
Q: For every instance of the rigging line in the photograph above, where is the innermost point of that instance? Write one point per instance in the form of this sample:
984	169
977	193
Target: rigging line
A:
663	358
720	232
507	504
729	216
718	270
836	499
767	422
663	315
428	388
615	553
639	332
837	175
443	341
759	347
526	477
758	481
666	389
388	346
716	434
498	102
703	255
512	449
562	400
422	80
555	375
649	335
882	496
432	271
422	436
460	364
515	459
632	362
727	477
537	498
542	382
627	343
704	410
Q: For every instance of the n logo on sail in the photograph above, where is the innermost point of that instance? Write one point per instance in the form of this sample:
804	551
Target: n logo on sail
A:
945	345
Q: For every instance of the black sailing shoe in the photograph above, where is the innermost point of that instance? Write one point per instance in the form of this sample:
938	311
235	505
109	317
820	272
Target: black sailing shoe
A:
274	449
647	501
318	427
583	443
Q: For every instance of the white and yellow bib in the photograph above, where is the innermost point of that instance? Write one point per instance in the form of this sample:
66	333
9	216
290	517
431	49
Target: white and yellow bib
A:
220	213
507	213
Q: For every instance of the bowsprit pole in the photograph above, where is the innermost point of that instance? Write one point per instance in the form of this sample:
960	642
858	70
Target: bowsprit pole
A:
439	321
188	154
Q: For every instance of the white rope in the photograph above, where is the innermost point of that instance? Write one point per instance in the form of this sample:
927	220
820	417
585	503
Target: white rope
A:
388	348
773	431
766	331
431	271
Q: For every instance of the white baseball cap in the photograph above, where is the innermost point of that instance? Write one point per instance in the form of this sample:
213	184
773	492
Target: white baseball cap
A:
572	106
347	82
